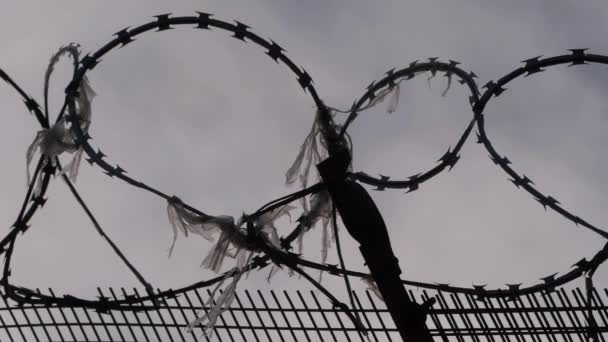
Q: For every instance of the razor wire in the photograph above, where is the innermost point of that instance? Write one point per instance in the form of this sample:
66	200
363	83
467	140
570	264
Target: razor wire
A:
262	243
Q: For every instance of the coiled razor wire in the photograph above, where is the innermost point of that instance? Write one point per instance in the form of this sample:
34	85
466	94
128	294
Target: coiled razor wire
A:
332	136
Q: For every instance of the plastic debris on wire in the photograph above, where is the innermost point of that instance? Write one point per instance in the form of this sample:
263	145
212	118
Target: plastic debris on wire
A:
188	222
312	152
54	141
232	242
217	307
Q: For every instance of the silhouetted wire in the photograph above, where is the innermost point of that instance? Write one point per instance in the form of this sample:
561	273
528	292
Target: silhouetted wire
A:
29	102
388	84
279	202
531	66
334	222
241	32
117	251
354	318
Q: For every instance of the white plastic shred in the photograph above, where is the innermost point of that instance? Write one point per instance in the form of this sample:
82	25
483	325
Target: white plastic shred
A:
58	139
232	241
394	100
311	153
217	307
185	221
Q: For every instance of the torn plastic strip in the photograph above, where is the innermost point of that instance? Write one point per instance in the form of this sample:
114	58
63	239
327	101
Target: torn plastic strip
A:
216	308
233	240
53	142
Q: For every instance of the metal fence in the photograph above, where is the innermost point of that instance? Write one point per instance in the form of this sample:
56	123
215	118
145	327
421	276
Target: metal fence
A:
304	316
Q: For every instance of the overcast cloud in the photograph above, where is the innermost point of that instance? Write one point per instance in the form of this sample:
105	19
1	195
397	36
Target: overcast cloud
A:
214	121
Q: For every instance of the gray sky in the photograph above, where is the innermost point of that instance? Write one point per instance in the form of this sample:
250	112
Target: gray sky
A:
216	122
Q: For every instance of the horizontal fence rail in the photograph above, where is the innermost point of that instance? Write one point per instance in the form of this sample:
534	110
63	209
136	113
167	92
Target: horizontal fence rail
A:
560	315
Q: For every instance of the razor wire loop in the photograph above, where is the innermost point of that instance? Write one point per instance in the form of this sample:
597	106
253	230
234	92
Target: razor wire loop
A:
495	89
391	80
203	21
336	142
165	22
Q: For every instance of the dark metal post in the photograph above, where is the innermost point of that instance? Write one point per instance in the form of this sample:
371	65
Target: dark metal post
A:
365	224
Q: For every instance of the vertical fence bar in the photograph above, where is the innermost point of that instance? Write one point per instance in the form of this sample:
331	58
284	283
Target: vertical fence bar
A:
556	318
525	317
80	325
495	319
237	325
8	332
257	314
548	330
295	312
574	317
181	310
29	323
44	328
511	321
124	316
323	315
601	310
274	322
162	319
55	325
451	322
464	316
480	317
499	326
195	315
253	329
363	314
548	297
289	327
112	317
147	314
104	325
17	325
436	318
371	301
310	316
62	314
93	325
175	324
157	310
221	318
139	323
580	298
